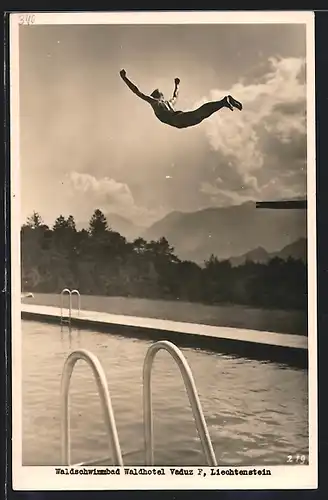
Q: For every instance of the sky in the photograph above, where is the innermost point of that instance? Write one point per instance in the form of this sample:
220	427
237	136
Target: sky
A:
87	142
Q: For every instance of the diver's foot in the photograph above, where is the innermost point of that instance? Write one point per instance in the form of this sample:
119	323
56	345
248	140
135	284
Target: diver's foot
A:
227	103
235	103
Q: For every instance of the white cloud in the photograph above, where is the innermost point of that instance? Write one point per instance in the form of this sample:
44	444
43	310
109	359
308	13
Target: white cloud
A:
88	193
265	140
107	191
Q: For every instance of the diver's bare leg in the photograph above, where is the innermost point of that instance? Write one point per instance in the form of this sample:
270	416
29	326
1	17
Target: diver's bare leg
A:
208	109
191	118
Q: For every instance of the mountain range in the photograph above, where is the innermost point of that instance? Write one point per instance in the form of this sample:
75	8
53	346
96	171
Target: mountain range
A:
229	231
238	232
296	250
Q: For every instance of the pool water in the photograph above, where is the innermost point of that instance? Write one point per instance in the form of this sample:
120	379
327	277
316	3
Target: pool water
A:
256	412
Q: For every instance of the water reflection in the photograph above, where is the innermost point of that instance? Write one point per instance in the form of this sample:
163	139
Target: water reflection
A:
256	411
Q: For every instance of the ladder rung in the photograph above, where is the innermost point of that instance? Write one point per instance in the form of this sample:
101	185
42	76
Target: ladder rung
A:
70	293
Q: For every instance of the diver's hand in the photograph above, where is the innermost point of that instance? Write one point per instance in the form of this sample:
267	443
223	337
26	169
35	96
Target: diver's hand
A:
177	81
123	73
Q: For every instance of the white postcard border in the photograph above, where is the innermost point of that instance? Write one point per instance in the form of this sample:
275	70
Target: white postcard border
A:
45	478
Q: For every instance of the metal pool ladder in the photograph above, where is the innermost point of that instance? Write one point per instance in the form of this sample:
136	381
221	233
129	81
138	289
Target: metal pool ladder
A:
70	293
100	378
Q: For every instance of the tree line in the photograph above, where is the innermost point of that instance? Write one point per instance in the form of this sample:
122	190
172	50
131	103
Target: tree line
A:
100	261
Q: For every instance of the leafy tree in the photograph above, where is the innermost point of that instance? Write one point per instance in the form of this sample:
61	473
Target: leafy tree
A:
140	245
60	223
71	223
98	223
100	261
34	221
161	248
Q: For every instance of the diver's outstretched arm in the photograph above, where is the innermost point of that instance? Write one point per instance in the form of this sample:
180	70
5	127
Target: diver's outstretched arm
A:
176	90
135	89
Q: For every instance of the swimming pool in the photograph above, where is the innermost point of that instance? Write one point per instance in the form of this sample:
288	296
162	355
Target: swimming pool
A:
256	412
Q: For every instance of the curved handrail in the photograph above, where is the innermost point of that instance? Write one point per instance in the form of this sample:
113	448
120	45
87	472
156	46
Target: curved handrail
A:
100	378
192	395
62	293
76	292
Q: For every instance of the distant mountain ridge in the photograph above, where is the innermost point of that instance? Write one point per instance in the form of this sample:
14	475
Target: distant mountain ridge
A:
229	231
296	250
238	232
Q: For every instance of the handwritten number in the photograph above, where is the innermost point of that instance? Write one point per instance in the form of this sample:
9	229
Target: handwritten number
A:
298	459
27	19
